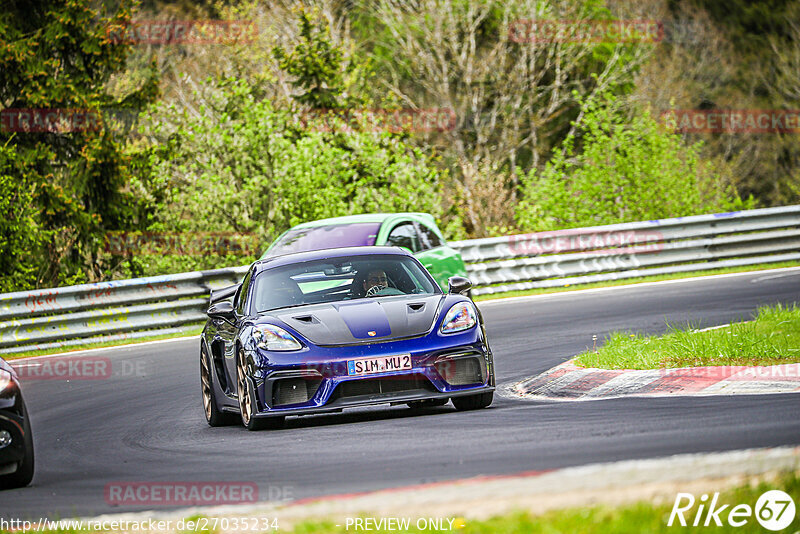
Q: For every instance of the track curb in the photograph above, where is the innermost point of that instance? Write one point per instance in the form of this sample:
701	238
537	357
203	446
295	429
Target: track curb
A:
568	381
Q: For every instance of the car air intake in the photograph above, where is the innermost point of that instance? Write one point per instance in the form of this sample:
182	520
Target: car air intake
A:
293	390
377	386
462	371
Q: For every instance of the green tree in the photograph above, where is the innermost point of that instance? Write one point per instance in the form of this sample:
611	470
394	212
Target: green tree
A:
324	77
617	169
20	235
240	165
57	55
512	94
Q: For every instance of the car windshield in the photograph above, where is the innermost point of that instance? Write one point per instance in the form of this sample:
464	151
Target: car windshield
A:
331	280
321	237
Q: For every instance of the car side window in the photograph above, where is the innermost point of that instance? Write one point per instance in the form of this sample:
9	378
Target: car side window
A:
404	235
241	295
428	238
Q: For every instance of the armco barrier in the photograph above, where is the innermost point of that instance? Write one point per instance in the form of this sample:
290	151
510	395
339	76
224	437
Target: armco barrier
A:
632	250
104	311
166	304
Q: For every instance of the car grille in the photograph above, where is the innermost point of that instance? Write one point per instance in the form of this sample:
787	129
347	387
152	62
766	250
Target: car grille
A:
377	386
293	390
462	371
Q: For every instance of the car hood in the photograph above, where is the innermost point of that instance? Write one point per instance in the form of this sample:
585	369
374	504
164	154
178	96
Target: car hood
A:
362	320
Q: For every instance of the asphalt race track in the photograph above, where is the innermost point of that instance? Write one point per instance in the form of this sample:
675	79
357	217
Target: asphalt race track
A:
148	424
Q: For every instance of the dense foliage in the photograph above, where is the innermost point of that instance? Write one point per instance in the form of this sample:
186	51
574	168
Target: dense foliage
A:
629	169
63	186
239	165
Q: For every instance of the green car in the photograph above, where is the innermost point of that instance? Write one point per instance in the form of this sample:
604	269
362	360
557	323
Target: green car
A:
416	232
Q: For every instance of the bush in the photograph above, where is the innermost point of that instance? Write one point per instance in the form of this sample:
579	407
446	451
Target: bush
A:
239	165
626	171
63	182
20	234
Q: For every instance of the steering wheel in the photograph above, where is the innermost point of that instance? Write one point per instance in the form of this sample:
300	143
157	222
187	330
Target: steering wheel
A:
375	291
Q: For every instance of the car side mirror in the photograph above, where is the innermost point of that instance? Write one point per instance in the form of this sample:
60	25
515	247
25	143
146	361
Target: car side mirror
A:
224	293
222	310
458	285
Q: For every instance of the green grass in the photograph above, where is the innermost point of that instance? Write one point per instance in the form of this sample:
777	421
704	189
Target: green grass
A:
635	518
641	517
190	331
630	281
772	338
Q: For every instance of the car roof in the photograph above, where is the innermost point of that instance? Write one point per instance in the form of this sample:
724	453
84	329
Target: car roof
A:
328	253
365	218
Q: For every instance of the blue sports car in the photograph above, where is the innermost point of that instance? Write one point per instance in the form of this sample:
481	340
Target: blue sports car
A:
321	331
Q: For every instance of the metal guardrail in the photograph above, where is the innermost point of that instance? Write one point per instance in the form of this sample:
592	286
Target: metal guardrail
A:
105	311
141	307
632	250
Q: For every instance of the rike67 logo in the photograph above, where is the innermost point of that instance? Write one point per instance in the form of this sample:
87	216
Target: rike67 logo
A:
774	510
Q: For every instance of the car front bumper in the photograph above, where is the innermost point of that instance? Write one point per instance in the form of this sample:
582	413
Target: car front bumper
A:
318	381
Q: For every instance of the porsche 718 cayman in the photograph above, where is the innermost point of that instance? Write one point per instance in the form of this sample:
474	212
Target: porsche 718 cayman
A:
322	331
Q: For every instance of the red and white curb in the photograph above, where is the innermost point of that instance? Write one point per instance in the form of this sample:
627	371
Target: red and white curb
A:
570	382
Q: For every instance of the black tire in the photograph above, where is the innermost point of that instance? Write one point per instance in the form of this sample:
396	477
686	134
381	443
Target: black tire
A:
245	394
473	402
427	403
214	417
24	473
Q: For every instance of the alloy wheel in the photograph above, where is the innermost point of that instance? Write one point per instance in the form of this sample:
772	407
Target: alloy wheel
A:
205	382
245	403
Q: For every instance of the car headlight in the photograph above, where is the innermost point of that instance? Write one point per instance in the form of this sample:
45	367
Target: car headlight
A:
5	379
271	337
459	317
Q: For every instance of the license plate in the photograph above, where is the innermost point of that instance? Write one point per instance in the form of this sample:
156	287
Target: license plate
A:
370	366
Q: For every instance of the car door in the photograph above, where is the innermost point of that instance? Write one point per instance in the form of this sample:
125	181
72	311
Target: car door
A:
404	235
229	331
441	260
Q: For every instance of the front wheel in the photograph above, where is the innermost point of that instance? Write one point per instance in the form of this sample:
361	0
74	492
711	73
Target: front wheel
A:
24	473
214	417
246	400
473	402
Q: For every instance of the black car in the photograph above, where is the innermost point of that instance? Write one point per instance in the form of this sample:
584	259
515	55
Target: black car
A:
16	438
